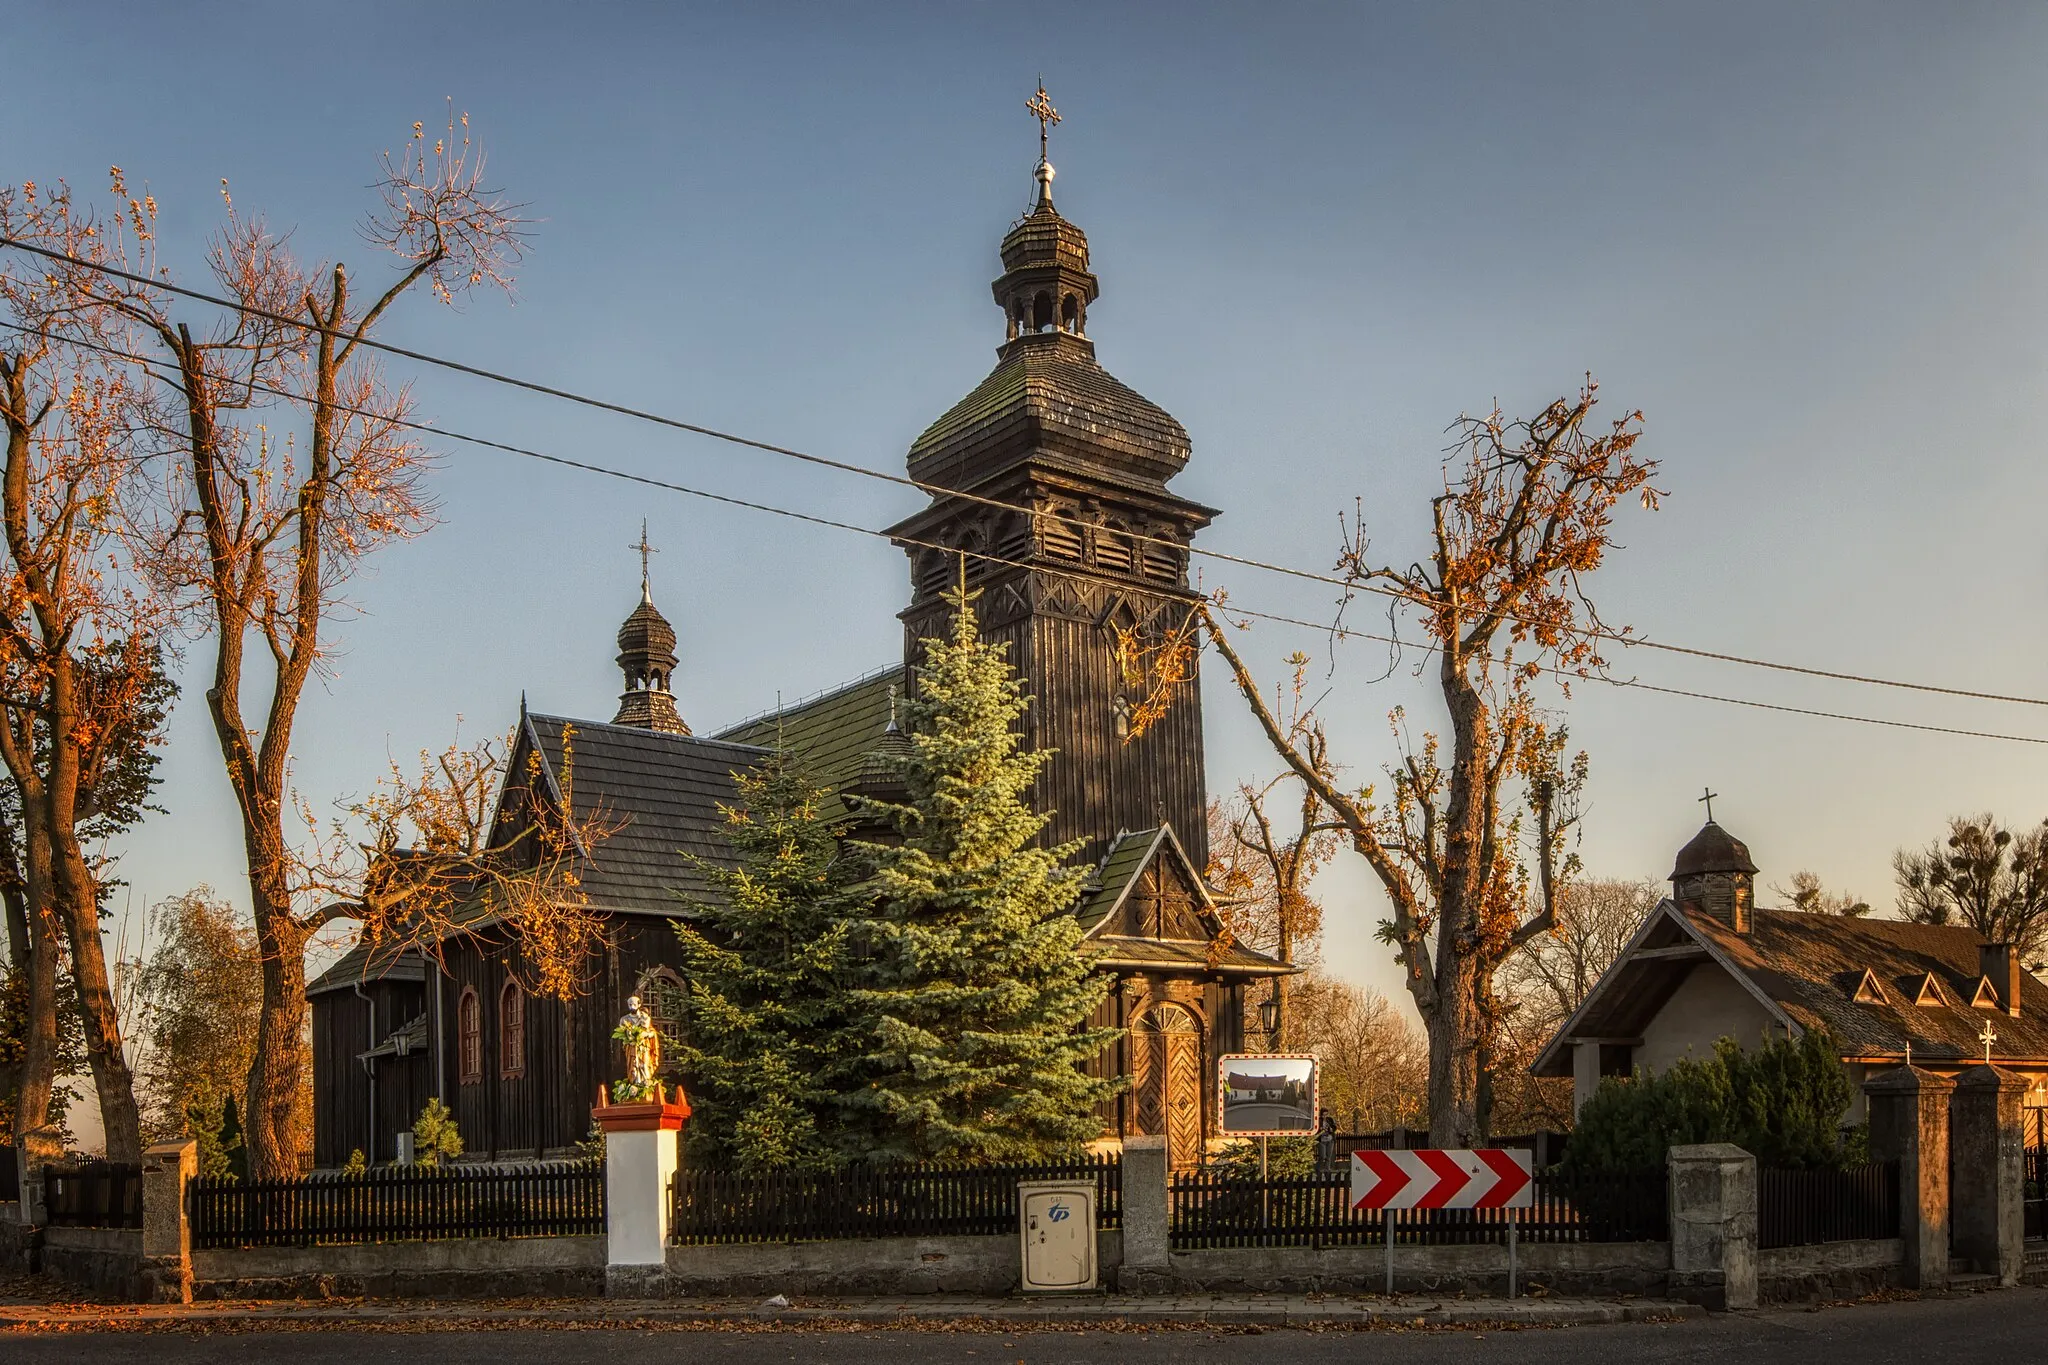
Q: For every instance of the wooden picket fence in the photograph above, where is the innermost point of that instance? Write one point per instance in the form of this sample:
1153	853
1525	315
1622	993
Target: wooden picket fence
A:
1215	1208
937	1200
1800	1208
93	1194
401	1204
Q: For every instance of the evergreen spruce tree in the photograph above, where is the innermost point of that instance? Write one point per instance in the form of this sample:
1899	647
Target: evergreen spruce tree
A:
769	1041
976	991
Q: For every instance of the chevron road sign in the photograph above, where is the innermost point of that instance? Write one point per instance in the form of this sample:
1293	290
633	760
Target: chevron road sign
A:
1489	1178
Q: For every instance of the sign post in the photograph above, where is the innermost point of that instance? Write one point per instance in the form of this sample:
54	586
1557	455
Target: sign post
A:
1449	1178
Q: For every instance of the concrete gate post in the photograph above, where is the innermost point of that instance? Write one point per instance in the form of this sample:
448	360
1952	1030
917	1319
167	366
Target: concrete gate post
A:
1909	1125
639	1168
1987	1203
1713	1224
167	1169
1147	1244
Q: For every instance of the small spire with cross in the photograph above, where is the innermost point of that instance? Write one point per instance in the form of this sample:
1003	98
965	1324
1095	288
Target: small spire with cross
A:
1987	1037
1709	800
1041	108
646	594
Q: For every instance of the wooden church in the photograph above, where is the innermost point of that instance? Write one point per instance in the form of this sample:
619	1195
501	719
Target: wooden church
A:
1101	553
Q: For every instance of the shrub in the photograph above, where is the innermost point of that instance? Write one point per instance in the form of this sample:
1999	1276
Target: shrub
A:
434	1136
1782	1102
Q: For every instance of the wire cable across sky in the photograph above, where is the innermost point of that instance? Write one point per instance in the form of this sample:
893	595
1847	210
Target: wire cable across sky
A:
1623	639
1227	610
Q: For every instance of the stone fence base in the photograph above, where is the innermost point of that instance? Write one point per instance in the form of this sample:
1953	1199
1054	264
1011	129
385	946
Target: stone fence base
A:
467	1268
886	1265
1830	1270
107	1260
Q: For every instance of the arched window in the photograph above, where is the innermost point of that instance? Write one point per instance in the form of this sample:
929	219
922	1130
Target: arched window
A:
1070	314
511	1032
661	995
469	1037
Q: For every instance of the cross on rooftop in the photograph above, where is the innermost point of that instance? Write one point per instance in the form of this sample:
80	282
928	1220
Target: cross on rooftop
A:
1041	108
1709	799
645	550
1987	1037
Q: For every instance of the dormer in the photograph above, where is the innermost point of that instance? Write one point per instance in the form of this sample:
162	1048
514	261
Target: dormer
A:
1985	997
1927	991
1868	991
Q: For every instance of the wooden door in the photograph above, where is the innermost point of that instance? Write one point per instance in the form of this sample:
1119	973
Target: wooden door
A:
1184	1098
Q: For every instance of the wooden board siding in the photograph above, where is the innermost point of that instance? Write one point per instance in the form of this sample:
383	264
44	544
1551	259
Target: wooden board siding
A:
569	1051
357	1105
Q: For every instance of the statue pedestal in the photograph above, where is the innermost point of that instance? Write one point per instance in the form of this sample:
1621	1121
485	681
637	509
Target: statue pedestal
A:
639	1163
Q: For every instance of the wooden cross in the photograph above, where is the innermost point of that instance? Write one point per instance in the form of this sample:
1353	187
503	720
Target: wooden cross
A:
1047	116
1709	799
645	550
1987	1037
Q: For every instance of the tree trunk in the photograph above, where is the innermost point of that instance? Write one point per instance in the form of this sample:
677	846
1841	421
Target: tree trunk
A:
274	1122
112	1081
1453	1027
33	1136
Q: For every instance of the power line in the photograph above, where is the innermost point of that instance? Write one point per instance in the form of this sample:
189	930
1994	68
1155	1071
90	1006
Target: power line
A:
772	509
1625	640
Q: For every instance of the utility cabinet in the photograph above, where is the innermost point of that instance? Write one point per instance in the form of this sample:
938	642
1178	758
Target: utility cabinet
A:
1057	1222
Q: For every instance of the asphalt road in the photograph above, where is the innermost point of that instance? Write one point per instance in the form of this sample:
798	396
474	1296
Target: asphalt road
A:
2006	1327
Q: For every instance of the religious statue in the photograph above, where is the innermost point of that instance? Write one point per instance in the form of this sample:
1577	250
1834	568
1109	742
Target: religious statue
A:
643	1054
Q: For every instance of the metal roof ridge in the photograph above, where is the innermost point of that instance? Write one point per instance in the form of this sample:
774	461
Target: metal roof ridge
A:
801	702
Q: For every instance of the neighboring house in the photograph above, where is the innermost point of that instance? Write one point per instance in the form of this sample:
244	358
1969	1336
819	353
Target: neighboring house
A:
1707	964
1099	570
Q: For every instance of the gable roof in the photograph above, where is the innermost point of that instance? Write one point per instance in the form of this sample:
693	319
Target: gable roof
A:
1807	970
659	794
1115	878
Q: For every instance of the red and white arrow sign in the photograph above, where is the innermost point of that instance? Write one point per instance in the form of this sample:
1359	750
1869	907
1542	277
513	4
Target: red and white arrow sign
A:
1490	1178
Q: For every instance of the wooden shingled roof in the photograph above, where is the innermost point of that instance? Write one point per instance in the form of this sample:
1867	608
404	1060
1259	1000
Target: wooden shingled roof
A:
661	794
1812	970
1046	399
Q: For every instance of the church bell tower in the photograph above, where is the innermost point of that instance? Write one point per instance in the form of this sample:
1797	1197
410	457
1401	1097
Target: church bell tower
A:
1098	557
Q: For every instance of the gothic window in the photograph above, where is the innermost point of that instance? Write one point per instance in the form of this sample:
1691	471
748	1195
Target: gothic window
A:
469	1037
511	1032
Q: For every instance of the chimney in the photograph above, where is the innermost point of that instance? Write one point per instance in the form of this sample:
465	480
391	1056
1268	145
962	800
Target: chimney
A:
2000	964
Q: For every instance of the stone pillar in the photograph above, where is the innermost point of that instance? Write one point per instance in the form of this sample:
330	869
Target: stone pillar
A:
639	1167
35	1210
1713	1225
1986	1203
167	1169
1909	1125
1147	1210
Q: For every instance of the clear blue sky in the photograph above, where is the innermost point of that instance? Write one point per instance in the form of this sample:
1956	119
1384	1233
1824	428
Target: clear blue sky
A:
1808	241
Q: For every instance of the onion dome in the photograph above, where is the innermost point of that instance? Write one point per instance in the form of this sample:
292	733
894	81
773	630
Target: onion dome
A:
1713	849
647	656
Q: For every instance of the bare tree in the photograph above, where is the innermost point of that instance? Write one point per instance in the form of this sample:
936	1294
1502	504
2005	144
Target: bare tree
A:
264	531
1984	876
1526	514
1264	875
1373	1064
1596	917
1808	894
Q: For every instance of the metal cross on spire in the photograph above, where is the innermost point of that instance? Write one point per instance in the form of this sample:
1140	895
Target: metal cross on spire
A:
1709	799
1047	116
645	550
1987	1037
